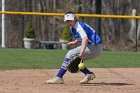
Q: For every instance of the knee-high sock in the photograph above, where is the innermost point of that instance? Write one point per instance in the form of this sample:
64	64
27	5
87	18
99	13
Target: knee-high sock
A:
63	70
86	71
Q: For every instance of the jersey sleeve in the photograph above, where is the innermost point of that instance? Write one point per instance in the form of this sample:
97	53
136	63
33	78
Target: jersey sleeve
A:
81	31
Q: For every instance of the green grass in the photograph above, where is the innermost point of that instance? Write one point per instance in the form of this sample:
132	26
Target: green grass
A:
26	59
116	59
39	58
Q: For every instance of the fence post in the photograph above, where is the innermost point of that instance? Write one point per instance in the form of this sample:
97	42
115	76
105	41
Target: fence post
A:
136	35
98	20
136	25
133	32
3	24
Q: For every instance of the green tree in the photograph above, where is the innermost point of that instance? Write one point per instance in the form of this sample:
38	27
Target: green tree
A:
29	31
66	35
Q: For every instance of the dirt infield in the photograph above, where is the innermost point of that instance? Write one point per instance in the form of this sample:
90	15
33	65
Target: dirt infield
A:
108	80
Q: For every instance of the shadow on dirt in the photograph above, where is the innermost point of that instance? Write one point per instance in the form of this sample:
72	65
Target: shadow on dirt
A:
104	84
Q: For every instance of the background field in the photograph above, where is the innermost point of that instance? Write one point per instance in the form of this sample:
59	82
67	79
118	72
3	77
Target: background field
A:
41	58
116	71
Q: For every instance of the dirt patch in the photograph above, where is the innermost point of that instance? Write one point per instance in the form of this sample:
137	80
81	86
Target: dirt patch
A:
108	80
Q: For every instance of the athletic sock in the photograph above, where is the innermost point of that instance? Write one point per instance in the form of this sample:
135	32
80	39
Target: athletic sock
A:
86	71
61	72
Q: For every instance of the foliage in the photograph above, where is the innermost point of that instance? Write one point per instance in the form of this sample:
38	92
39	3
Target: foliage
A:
66	35
29	30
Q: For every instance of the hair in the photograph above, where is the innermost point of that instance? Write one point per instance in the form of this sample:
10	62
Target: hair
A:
70	12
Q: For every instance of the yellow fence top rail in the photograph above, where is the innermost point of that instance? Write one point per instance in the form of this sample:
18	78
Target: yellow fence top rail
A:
62	14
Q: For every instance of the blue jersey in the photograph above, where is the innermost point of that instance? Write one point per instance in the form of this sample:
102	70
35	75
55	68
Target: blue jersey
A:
81	30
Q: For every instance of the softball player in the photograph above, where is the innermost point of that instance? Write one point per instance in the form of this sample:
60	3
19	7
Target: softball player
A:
90	47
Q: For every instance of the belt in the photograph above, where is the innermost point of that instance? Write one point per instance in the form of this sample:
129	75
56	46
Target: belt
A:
100	42
89	42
